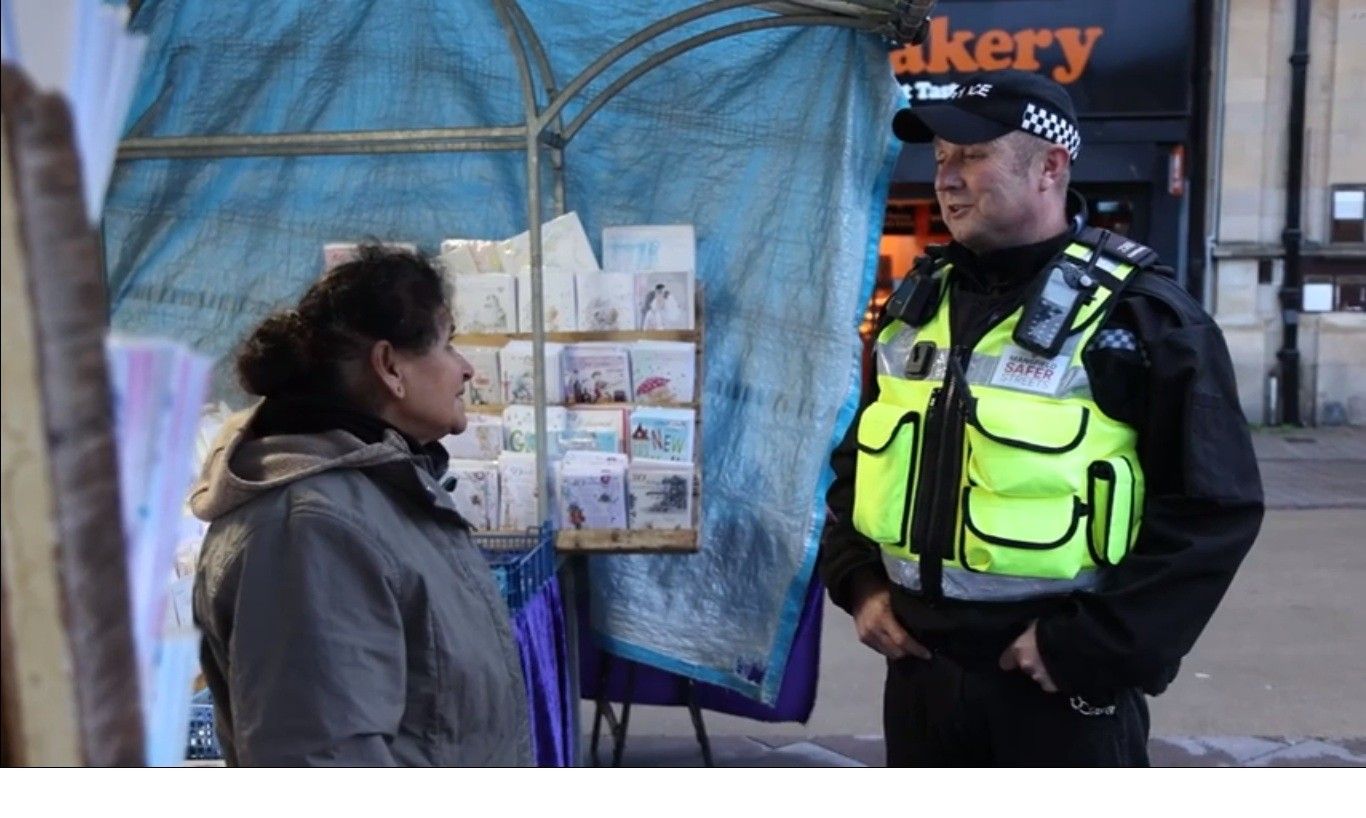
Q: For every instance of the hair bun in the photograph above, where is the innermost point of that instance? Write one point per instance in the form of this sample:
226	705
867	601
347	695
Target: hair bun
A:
275	359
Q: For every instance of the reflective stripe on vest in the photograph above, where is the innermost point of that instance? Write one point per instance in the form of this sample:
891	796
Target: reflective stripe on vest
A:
1048	490
974	585
894	355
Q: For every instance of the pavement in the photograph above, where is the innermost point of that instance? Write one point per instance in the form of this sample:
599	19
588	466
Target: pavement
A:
1313	468
866	751
1277	679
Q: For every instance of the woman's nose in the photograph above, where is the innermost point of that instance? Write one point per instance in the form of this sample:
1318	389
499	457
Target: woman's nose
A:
466	368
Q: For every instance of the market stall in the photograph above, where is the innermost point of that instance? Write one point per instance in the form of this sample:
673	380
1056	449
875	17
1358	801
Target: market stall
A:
203	231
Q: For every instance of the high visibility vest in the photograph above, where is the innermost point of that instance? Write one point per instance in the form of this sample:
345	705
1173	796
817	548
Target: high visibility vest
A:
1005	480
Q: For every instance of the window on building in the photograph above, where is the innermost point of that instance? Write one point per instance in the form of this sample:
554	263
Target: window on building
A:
1334	284
1352	293
1348	214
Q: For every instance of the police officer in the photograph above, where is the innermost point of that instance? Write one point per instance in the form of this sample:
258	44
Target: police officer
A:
1051	484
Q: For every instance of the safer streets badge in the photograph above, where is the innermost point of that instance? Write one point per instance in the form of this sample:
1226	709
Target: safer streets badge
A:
1023	370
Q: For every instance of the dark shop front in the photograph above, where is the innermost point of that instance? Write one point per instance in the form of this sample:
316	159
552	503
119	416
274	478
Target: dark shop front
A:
1133	73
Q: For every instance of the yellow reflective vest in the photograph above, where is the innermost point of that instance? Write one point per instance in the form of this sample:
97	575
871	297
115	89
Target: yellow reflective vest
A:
991	474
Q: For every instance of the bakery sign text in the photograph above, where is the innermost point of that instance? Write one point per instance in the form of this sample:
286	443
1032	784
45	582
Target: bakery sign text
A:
948	51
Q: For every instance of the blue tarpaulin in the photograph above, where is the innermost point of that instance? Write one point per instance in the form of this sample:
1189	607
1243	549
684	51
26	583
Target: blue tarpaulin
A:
774	144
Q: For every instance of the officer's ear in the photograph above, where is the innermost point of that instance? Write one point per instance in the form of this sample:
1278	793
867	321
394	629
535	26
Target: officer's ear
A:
1057	168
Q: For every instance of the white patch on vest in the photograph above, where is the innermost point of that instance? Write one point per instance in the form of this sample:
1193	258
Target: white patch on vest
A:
940	367
1022	369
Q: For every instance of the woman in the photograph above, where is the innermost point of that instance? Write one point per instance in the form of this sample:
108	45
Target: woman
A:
347	617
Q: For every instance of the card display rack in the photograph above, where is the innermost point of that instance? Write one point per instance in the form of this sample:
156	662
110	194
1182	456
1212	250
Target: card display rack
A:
626	540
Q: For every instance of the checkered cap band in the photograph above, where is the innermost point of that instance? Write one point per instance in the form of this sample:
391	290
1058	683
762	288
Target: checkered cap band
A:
1042	122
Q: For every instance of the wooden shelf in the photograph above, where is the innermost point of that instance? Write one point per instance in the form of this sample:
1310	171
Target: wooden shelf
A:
499	339
625	541
497	408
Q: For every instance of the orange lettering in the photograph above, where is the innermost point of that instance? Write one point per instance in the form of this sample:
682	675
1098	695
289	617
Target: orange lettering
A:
909	60
1025	43
1076	50
993	50
946	52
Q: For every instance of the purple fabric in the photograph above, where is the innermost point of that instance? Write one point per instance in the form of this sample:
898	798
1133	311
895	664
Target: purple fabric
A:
541	640
796	697
544	651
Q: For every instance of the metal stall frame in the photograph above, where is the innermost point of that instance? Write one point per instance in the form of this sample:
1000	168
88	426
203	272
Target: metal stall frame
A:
896	21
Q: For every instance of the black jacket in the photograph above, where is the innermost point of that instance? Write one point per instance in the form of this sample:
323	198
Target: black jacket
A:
1201	514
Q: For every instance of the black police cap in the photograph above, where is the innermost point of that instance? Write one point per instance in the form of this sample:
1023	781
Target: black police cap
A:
992	104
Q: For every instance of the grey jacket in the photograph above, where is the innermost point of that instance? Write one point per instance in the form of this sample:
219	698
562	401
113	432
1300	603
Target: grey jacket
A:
347	618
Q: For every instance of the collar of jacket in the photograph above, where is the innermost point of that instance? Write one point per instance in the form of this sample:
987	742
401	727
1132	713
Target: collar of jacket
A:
312	415
413	476
241	465
1000	271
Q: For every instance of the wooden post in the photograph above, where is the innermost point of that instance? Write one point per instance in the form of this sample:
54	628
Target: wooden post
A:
69	653
40	727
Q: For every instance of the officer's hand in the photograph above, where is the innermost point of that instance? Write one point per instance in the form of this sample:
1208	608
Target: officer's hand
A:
877	626
1023	654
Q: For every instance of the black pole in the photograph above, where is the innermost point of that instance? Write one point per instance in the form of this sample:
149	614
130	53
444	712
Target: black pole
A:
1293	236
1199	154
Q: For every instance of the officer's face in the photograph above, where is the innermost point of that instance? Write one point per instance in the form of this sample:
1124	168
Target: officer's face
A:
987	199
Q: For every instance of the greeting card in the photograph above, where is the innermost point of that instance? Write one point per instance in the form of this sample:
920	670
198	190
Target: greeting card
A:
476	491
595	373
485	303
658	433
664	372
660	495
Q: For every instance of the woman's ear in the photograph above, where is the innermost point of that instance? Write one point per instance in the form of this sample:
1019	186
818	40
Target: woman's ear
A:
384	363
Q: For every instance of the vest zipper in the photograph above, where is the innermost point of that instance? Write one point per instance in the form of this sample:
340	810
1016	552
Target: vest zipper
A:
932	530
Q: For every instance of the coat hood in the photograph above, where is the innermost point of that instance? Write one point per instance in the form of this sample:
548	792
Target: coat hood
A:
240	467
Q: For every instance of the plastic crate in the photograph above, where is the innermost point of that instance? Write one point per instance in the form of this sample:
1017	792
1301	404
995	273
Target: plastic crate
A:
522	562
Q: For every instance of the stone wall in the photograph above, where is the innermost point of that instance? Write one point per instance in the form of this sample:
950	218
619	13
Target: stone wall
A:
1251	197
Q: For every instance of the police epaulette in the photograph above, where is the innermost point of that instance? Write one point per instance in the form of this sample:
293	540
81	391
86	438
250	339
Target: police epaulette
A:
1118	248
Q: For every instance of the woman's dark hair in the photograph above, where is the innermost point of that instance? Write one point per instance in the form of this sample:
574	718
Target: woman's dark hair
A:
381	295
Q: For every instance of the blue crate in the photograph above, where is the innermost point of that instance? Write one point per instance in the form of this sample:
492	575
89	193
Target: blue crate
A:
522	562
203	739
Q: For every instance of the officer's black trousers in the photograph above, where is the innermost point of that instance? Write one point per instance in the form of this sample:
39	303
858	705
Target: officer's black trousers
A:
936	714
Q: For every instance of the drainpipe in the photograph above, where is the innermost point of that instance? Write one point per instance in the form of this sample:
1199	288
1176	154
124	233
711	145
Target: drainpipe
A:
1214	167
1289	354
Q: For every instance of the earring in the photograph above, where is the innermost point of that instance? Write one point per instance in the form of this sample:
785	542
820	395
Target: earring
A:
401	393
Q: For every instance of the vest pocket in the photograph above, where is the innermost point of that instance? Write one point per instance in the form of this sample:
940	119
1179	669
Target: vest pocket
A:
1022	536
1112	491
1026	448
888	439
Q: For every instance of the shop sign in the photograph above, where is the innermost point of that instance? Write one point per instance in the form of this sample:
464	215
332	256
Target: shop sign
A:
1113	56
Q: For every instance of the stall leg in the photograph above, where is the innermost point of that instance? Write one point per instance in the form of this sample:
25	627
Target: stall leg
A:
570	585
602	711
699	729
619	735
